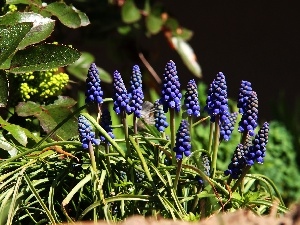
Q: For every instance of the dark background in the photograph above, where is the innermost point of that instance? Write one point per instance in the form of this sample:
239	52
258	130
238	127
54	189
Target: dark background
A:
256	41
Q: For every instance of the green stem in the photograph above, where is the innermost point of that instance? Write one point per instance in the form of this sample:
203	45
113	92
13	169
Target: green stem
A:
244	137
215	146
211	131
179	165
239	181
172	129
92	157
125	125
108	162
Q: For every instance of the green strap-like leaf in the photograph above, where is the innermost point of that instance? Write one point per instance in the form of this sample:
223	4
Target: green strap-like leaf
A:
68	15
43	57
10	38
42	27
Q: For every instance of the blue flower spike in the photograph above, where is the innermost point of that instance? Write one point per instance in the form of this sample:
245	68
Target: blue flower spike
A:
93	89
226	129
86	135
159	117
191	102
248	121
217	101
244	93
120	98
257	151
135	92
183	141
106	123
170	95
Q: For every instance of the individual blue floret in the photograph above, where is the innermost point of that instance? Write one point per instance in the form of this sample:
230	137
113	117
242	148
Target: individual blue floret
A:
159	117
120	97
93	91
105	123
248	121
217	101
244	93
226	129
191	103
183	140
257	151
170	95
86	135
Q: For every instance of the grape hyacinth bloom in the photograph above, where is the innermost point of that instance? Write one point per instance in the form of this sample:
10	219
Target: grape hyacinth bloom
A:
248	121
217	101
105	122
159	117
238	162
170	95
135	80
93	89
183	141
244	93
120	98
206	168
191	103
226	129
257	151
86	135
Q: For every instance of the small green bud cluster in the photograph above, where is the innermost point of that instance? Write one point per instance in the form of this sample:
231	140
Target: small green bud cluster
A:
41	85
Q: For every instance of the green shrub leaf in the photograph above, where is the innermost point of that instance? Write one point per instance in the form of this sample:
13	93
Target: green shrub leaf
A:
16	131
43	57
10	38
28	2
42	27
3	88
130	13
68	15
154	23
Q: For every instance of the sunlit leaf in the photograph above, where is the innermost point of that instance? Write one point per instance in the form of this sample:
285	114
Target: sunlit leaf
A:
129	12
15	130
10	39
42	27
28	2
43	57
3	88
80	67
187	55
67	15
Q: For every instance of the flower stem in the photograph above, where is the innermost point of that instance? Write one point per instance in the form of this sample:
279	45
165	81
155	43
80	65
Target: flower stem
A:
172	129
215	146
179	165
125	125
92	157
211	131
239	181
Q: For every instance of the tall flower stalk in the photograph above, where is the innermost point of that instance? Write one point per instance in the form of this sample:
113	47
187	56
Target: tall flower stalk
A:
171	98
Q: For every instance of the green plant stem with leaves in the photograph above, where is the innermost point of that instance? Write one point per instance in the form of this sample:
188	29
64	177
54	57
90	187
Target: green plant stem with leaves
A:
215	146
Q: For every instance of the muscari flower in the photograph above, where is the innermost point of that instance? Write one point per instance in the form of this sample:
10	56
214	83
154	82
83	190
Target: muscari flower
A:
135	92
217	101
93	89
86	135
257	151
238	162
159	117
170	95
105	122
191	103
226	129
120	98
244	93
248	121
183	140
206	168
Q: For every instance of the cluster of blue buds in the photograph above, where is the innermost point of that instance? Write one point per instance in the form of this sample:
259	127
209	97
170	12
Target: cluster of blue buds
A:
238	162
121	99
226	129
217	101
170	95
191	102
183	140
105	122
135	92
159	117
93	89
248	122
86	135
244	93
257	151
